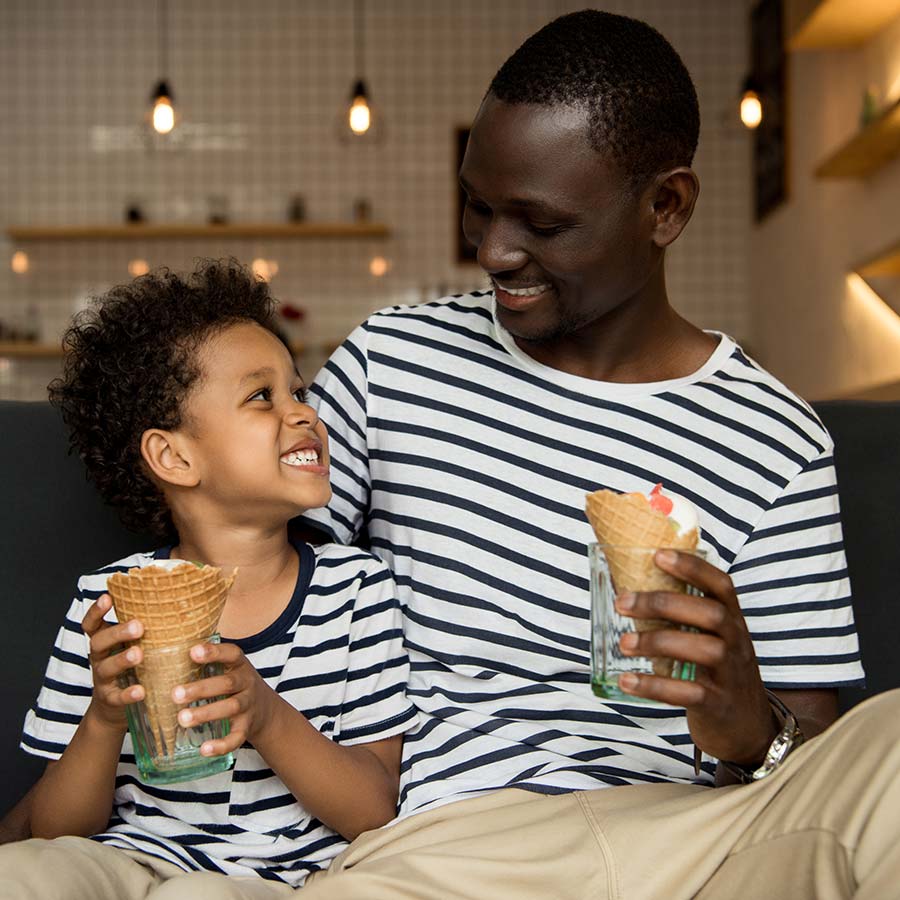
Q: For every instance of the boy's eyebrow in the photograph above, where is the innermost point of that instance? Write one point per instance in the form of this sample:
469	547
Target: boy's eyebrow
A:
539	206
266	372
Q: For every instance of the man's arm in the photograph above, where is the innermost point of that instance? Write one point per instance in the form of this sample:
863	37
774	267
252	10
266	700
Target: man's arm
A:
815	710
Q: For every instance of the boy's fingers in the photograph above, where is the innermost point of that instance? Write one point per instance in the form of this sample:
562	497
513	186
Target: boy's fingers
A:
103	640
227	708
110	667
228	744
93	618
227	654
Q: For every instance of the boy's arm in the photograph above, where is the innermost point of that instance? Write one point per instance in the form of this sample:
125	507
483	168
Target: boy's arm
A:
75	793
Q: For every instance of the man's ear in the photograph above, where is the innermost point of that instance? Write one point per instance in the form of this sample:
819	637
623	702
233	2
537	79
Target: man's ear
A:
673	196
169	457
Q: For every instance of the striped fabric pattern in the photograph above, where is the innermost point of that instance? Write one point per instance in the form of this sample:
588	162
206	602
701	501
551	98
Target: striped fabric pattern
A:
466	463
335	653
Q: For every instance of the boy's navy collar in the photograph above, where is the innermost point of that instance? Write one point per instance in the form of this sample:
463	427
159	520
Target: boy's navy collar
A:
291	614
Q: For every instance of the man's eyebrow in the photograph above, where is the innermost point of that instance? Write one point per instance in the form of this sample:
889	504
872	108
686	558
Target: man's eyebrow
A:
534	205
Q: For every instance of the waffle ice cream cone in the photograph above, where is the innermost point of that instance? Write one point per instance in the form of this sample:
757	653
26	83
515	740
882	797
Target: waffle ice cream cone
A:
177	606
627	526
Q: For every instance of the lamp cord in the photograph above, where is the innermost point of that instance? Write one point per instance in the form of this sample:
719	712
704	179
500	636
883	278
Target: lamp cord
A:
163	48
358	43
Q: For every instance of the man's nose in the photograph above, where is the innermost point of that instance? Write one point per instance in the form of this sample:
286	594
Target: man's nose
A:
499	250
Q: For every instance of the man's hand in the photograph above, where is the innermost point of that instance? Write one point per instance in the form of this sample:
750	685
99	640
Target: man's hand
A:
728	714
109	699
245	698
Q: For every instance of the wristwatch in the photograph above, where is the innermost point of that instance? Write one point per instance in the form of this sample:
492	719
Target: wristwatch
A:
789	738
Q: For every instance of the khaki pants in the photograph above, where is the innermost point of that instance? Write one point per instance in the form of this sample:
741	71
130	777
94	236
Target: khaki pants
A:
74	868
826	825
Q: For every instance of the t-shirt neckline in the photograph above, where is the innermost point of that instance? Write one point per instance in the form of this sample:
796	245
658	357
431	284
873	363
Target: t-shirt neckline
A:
282	625
611	389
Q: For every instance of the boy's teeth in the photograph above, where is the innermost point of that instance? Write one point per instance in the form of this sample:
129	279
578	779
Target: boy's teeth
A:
301	458
528	292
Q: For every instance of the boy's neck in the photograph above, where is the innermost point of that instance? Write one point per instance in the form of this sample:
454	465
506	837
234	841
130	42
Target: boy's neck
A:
267	572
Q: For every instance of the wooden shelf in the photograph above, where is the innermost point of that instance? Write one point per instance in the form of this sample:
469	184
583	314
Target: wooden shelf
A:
867	151
161	232
842	23
885	265
29	350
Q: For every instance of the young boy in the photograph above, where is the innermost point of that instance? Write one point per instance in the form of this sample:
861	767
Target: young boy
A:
191	418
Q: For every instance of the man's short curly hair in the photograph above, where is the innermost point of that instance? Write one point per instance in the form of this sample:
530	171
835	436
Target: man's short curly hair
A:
639	96
131	360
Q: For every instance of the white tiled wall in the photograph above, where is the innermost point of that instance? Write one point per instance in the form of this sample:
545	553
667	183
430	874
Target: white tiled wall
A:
258	86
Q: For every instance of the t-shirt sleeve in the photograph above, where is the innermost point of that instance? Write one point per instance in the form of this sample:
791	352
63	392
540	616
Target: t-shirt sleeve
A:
340	394
791	578
375	703
66	691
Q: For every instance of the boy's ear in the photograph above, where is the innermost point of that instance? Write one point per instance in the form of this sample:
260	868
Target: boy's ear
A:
168	456
674	194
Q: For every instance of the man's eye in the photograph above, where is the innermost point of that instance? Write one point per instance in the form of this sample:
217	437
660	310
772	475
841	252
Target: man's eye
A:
546	230
480	209
262	394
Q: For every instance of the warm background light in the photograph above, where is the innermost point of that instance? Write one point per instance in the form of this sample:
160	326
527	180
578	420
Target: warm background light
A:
163	115
360	117
266	269
19	262
138	267
751	109
378	266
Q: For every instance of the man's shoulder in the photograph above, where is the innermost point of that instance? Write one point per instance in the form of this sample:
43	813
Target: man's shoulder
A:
471	311
347	559
758	398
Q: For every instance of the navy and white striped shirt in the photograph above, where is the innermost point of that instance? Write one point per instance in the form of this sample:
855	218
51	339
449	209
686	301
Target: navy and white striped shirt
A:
467	463
335	653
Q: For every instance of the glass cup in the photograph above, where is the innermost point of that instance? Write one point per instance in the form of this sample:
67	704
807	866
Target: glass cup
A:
164	750
616	569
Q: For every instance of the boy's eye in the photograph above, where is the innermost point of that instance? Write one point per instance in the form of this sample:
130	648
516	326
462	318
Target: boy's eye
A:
262	394
301	395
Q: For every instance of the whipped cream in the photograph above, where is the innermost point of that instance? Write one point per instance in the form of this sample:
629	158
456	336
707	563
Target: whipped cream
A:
679	510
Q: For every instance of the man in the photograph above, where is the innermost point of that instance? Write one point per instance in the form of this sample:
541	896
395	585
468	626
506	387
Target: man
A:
465	434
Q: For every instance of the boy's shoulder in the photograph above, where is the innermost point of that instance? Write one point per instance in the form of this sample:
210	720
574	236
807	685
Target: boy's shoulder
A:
97	579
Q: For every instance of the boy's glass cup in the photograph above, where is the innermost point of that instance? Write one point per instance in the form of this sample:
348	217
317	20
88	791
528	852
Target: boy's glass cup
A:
164	750
608	625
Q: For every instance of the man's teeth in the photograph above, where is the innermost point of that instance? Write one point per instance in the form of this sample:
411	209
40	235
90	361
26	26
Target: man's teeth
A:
301	458
526	292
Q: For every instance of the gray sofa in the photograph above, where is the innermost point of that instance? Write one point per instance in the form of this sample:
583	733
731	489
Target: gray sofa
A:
54	528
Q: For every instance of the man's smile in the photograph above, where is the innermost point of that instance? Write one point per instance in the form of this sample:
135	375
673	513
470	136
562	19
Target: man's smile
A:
520	298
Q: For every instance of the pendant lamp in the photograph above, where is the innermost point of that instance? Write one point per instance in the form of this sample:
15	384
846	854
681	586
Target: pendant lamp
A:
359	121
162	111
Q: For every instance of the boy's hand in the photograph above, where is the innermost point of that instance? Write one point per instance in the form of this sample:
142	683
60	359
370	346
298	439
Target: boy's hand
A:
109	700
246	698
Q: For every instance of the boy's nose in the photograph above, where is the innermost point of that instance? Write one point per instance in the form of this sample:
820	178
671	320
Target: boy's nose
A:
301	414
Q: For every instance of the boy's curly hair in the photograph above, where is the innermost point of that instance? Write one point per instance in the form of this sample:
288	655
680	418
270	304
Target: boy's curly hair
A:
131	359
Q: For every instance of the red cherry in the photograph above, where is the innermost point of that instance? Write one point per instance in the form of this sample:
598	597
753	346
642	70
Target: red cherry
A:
659	502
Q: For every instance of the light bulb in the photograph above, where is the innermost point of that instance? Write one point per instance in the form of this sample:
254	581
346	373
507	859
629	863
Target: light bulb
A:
360	116
163	115
138	267
751	109
378	266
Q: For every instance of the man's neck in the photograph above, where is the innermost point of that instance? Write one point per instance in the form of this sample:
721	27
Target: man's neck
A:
621	348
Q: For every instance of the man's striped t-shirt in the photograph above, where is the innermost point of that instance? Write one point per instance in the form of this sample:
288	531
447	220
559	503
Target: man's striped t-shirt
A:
466	462
335	653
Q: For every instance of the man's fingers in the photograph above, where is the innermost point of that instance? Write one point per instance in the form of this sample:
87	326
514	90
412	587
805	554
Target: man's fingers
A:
665	690
711	581
699	612
705	649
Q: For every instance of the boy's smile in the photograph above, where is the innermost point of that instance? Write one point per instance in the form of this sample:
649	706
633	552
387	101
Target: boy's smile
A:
260	451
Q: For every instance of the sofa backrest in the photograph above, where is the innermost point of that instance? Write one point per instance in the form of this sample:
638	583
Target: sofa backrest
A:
55	528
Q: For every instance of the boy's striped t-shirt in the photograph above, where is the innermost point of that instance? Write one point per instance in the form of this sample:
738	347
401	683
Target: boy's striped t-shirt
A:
335	654
466	462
